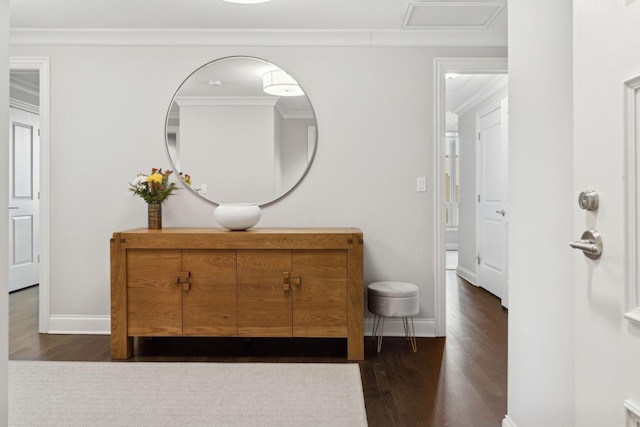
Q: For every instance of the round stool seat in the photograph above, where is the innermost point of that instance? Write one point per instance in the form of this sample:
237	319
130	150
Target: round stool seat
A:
393	299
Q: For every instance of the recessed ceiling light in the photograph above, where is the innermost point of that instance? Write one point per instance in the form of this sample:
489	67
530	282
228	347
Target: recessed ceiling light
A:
247	1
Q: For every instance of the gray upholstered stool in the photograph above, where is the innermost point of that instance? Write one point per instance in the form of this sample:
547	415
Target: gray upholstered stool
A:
393	299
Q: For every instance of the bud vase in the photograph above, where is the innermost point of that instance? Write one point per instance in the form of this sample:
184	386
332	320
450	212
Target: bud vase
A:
155	215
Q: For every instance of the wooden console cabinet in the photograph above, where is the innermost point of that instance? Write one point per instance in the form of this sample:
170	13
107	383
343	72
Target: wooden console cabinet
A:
285	282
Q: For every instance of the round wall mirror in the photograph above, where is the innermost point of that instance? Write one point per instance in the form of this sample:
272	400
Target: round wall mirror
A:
242	129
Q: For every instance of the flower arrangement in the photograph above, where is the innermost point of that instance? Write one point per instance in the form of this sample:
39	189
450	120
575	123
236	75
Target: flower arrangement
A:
155	187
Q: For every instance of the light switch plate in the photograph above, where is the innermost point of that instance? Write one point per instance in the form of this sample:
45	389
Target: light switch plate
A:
421	183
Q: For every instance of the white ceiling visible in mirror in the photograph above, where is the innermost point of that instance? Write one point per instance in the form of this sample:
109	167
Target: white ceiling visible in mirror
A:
218	14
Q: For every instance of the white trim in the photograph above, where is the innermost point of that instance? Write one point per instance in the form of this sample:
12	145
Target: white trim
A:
633	315
89	325
268	101
440	125
632	128
633	413
101	325
438	38
41	64
467	275
25	106
508	422
208	37
393	327
441	67
494	92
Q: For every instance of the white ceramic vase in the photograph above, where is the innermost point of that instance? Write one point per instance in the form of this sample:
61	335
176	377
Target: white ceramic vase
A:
237	216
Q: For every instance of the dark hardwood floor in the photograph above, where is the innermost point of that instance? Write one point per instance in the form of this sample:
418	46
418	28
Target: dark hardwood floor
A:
458	381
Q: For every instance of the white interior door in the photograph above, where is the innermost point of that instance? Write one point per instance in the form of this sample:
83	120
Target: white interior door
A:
24	230
492	199
606	147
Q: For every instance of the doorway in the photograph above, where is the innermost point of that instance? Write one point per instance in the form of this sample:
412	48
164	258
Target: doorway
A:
38	67
453	192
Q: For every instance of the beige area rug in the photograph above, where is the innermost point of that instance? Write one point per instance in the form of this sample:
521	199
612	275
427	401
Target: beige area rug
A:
184	394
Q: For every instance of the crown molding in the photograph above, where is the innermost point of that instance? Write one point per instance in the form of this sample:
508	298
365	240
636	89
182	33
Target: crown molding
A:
257	38
493	92
268	101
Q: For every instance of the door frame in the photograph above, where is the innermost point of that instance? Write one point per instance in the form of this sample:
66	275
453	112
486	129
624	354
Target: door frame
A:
442	66
41	64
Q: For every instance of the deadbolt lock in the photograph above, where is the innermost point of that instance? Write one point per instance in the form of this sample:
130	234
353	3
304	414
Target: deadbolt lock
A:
588	200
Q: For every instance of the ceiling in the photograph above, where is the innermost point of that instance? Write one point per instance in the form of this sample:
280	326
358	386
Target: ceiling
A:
465	89
275	15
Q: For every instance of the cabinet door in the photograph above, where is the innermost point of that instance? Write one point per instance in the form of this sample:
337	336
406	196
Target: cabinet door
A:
209	305
320	300
154	299
264	304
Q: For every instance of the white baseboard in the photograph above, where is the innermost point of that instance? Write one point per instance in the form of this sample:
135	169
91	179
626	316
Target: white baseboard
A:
467	275
101	325
393	327
87	325
508	422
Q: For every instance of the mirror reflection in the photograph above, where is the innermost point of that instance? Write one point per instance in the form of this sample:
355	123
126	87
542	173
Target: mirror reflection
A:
243	129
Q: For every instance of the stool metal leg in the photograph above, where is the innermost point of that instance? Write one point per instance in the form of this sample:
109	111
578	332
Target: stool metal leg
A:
378	330
376	319
410	333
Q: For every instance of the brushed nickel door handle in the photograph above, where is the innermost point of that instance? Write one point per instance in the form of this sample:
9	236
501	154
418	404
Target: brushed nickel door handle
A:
590	244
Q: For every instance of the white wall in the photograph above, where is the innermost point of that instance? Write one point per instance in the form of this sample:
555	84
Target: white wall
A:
4	218
294	150
467	238
239	164
541	360
108	106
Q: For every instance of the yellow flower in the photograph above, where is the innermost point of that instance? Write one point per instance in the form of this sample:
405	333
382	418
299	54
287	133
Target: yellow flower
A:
155	177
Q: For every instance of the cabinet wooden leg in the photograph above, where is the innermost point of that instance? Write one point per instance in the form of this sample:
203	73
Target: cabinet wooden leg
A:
121	348
355	348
